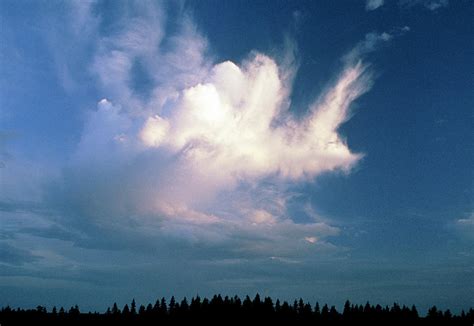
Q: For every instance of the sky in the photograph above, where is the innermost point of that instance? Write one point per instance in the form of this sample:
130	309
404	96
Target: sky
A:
314	149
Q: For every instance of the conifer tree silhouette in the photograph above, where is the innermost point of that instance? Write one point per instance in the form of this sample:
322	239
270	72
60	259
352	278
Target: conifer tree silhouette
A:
233	310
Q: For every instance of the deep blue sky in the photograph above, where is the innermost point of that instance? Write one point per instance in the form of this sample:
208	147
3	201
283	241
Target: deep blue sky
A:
101	200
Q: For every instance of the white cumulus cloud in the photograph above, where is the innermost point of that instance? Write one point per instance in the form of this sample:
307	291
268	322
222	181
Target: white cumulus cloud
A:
209	153
235	122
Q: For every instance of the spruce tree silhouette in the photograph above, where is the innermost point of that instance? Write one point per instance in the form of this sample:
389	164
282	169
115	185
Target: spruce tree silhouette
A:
149	310
347	312
317	310
171	306
126	311
325	312
232	310
61	311
141	310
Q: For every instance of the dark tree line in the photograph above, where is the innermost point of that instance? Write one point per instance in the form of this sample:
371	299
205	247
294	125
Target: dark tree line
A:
233	310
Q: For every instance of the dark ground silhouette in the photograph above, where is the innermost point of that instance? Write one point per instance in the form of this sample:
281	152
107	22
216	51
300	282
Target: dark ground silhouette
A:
224	311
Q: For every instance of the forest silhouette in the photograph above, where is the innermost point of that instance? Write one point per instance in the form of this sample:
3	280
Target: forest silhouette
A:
233	310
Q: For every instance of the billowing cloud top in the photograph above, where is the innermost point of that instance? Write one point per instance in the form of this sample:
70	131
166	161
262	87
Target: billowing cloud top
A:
209	153
236	123
203	151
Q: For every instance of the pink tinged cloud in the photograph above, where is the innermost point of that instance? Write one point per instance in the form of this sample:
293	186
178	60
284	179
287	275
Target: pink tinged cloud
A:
224	131
228	124
206	129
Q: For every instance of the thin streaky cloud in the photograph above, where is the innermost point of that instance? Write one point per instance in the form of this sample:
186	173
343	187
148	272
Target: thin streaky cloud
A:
373	4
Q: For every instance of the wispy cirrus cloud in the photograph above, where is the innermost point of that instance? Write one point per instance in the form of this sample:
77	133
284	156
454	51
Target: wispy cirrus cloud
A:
465	226
373	4
432	5
373	41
